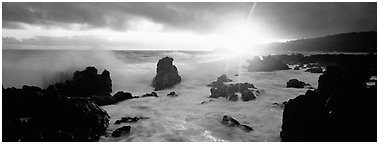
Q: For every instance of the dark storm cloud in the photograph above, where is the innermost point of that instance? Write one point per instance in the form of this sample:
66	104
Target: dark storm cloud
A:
288	20
299	20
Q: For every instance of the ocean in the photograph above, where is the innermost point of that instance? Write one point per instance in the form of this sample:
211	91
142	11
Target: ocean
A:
181	118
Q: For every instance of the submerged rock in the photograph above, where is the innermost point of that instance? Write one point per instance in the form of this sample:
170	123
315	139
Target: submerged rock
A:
129	119
246	128
152	94
231	122
167	74
121	131
172	94
296	84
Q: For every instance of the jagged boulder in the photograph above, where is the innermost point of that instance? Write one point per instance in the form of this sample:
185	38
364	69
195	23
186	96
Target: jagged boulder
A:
296	84
229	91
220	81
247	95
233	97
61	112
86	83
167	74
54	118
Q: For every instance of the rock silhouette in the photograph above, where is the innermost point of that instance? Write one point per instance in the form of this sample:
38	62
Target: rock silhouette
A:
50	117
343	108
167	74
268	63
229	91
86	83
172	94
295	83
66	111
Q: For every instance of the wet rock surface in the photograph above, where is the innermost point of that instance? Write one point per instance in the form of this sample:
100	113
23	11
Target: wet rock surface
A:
295	83
121	131
172	94
129	119
152	94
167	74
229	91
232	122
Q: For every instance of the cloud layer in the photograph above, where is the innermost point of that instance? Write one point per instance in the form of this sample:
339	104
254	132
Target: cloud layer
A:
284	20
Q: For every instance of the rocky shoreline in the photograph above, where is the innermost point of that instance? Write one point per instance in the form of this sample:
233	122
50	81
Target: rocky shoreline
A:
340	109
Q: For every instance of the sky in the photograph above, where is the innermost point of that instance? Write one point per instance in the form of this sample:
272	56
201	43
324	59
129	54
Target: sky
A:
176	26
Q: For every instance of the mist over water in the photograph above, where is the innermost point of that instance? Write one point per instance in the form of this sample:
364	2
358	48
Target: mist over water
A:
181	118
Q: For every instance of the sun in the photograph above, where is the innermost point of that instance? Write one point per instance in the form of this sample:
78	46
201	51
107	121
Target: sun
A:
241	37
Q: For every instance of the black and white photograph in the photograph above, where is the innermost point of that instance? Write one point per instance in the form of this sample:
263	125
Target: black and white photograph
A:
189	71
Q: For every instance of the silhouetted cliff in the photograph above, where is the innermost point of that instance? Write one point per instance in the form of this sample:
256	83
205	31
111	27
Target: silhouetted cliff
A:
346	42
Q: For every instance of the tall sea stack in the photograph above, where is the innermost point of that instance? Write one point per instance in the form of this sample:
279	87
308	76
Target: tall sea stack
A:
167	74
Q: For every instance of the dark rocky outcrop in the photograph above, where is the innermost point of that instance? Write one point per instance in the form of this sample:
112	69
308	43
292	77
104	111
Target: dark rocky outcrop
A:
121	96
172	94
233	97
343	108
86	83
220	81
230	91
121	131
268	63
247	95
294	83
296	68
129	119
32	114
66	111
314	70
231	122
152	94
167	74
